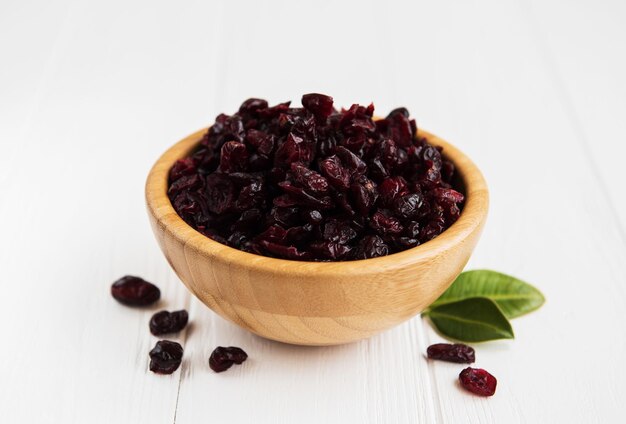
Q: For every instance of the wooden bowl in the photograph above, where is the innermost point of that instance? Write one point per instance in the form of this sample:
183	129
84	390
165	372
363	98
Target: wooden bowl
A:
315	303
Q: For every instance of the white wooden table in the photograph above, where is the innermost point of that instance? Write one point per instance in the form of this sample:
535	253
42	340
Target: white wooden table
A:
91	93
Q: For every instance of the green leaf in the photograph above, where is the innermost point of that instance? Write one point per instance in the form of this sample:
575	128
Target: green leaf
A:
476	319
513	296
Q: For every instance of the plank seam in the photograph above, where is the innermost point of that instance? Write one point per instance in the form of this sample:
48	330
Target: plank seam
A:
184	340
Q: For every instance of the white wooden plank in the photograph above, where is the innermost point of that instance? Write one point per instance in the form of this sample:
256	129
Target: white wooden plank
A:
548	224
585	53
109	88
544	201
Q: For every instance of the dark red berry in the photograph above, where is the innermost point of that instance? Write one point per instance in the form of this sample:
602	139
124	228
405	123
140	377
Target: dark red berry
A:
310	180
315	183
303	198
478	381
223	358
294	149
337	175
385	225
408	206
135	291
234	157
287	252
182	167
371	247
459	353
165	322
400	129
252	105
165	357
218	196
351	161
338	231
318	104
391	189
364	194
312	216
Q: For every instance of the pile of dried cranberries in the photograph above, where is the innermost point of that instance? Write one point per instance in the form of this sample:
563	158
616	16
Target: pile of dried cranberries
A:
314	183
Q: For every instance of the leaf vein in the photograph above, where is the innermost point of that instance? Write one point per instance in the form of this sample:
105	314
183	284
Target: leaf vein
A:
465	320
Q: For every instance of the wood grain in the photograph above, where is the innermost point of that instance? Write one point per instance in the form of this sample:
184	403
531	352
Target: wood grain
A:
315	303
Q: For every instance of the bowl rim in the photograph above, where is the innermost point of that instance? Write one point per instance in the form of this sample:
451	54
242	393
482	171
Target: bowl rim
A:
471	218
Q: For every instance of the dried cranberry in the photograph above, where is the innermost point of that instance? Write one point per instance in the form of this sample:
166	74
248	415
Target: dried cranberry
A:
478	381
314	183
318	104
182	167
371	247
449	195
305	199
377	170
385	225
281	250
357	120
432	155
296	235
135	291
351	161
392	188
223	358
364	193
294	149
220	192
234	157
458	353
185	183
400	129
338	176
274	233
447	171
312	216
338	231
251	196
285	216
413	229
342	202
431	230
405	242
253	105
165	322
330	250
408	206
165	357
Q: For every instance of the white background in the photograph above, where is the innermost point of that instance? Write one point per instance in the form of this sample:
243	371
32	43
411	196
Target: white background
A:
92	93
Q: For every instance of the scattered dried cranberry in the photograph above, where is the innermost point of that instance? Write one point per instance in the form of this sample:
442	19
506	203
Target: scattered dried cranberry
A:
459	353
223	358
314	183
165	322
165	357
134	291
478	381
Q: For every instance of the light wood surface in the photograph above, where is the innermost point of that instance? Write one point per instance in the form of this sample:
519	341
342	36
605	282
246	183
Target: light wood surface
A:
315	303
92	93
